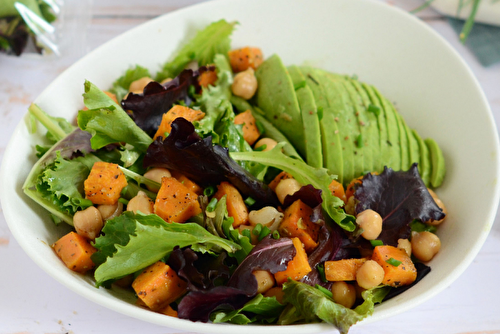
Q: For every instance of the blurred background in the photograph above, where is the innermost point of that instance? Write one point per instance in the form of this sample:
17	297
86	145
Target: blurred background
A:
83	25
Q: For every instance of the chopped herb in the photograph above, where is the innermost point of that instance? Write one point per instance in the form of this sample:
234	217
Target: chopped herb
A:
374	109
249	201
123	200
209	191
321	270
260	148
393	262
376	243
264	232
359	141
417	226
191	90
211	205
246	233
320	113
276	234
257	229
260	127
325	291
301	84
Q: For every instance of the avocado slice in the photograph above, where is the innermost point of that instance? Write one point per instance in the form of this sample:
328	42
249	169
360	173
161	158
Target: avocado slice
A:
437	161
276	95
332	148
372	138
392	132
384	157
309	111
413	147
403	140
365	147
424	167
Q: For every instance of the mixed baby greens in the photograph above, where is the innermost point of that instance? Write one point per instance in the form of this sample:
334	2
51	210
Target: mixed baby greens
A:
327	126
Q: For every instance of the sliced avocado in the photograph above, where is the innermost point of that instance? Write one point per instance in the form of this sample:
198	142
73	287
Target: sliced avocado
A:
424	167
384	157
403	140
392	132
276	95
413	147
372	138
362	122
437	161
309	111
332	148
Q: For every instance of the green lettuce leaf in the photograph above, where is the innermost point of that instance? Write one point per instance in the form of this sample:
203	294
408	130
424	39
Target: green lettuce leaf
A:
319	178
203	47
152	243
258	310
57	127
313	305
122	84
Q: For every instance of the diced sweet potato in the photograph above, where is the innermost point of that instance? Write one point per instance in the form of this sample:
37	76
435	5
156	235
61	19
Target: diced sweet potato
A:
236	207
169	311
297	268
158	285
193	187
104	183
351	187
343	270
75	251
174	202
176	112
403	274
250	131
242	59
337	190
207	78
296	223
281	176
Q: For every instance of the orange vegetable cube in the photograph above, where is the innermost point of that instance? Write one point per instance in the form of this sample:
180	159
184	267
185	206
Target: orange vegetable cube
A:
403	274
337	190
342	270
236	207
281	176
193	187
174	202
207	78
158	285
297	268
242	59
104	183
250	131
75	251
176	112
296	223
169	311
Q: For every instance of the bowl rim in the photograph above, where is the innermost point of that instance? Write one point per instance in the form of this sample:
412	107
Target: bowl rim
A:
159	319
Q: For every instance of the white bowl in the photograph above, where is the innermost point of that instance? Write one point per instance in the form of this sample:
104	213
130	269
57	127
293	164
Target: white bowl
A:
432	86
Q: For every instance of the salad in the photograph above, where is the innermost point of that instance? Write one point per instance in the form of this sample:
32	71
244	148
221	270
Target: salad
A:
233	189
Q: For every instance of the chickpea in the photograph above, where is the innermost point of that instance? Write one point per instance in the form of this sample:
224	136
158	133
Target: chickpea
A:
277	292
370	275
371	223
137	86
441	205
110	211
270	144
344	294
88	222
265	280
286	187
267	216
405	245
245	84
425	245
254	239
156	174
141	202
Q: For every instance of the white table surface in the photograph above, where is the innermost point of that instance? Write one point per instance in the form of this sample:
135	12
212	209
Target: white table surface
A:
33	302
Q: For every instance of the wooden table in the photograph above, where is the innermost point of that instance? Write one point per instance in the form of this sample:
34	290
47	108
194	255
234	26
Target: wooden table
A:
32	302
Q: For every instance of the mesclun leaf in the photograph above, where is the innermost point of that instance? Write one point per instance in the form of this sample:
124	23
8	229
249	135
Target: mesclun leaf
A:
258	310
313	305
399	198
203	47
122	84
148	108
152	243
184	151
304	174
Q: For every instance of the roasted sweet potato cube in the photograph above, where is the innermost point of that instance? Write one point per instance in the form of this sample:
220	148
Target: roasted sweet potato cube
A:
207	78
242	59
250	131
174	202
281	176
337	189
236	207
176	112
297	223
193	187
169	311
104	183
343	270
396	276
75	251
297	268
158	285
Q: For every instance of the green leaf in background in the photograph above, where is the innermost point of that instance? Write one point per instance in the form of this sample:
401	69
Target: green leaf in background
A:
258	310
122	84
203	47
